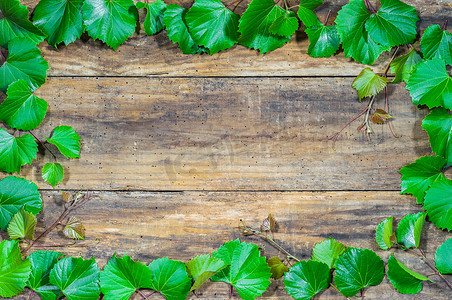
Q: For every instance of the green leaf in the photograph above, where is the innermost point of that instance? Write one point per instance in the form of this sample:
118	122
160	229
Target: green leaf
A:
328	251
202	267
153	22
306	13
53	173
21	109
22	225
16	151
212	25
285	25
248	272
368	84
76	278
254	26
394	24
384	234
357	269
406	281
430	84
438	204
123	276
170	278
437	43
306	279
14	271
66	140
74	229
15	24
277	267
42	262
438	124
409	230
23	62
111	21
443	259
355	39
404	65
324	41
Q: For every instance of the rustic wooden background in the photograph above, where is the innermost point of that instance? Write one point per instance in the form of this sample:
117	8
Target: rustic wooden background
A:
181	148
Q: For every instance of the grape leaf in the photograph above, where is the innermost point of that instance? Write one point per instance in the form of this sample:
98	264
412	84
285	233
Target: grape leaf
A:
430	84
66	140
437	43
420	175
212	25
254	26
406	281
306	13
111	21
74	229
60	20
404	65
443	259
23	62
277	268
123	276
76	278
394	24
380	116
384	234
285	25
53	173
328	251
355	39
269	224
22	225
16	151
42	262
14	271
368	84
21	109
438	204
170	278
248	272
202	267
324	41
438	124
14	23
357	269
306	279
409	230
153	22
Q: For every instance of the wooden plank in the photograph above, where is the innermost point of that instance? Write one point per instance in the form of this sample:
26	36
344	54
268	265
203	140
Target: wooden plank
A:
185	224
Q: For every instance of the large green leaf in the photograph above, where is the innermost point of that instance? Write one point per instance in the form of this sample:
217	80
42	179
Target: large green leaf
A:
437	43
212	25
438	124
438	203
324	41
357	269
16	151
306	13
111	21
384	234
53	173
443	257
121	277
153	22
170	278
328	251
406	281
285	25
368	84
404	65
67	141
25	62
306	279
409	230
202	267
42	262
22	225
22	109
14	271
277	267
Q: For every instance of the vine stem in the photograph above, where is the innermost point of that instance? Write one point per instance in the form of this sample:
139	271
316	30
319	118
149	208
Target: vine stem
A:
370	7
369	108
435	269
337	289
230	291
31	294
4	58
151	293
141	294
233	2
445	26
327	17
387	110
42	144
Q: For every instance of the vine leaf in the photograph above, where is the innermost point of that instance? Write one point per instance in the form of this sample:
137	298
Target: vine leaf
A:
22	109
404	65
53	173
306	12
254	26
277	268
15	24
16	151
443	259
23	62
368	84
409	230
285	25
111	21
121	277
74	229
324	41
269	223
328	251
170	278
22	225
438	125
356	269
212	25
248	272
202	267
42	262
384	235
406	281
438	204
67	141
76	278
60	20
430	84
14	271
153	22
420	175
437	43
380	116
306	279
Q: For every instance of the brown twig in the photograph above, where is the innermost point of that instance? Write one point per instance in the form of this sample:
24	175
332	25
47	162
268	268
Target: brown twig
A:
31	294
445	26
234	2
370	7
387	110
141	294
435	269
42	144
327	17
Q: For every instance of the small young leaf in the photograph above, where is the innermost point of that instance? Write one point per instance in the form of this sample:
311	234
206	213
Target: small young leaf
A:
74	229
404	65
368	84
53	173
269	223
406	281
285	25
153	22
328	251
437	43
324	41
443	257
202	267
170	278
67	141
384	234
306	279
438	125
409	230
42	262
380	116
438	204
16	151
277	268
14	271
22	225
363	128
306	13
